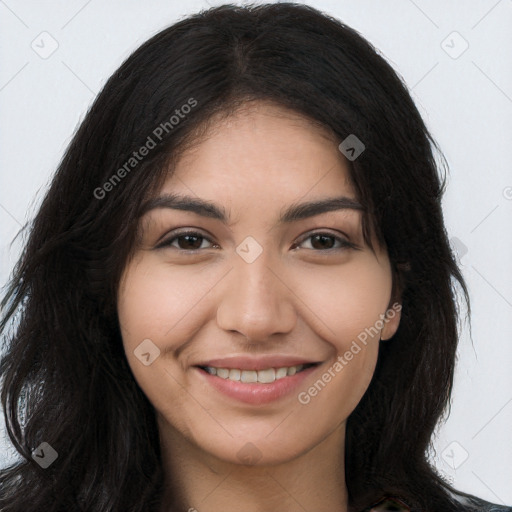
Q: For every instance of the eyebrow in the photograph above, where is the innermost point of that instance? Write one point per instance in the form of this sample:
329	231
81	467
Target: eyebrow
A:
209	209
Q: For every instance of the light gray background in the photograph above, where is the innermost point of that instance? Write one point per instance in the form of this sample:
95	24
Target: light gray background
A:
465	98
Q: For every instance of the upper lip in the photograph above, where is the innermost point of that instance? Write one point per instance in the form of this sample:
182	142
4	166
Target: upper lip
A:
256	363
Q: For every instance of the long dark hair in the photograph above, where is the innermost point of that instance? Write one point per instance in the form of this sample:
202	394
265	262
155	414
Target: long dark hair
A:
65	378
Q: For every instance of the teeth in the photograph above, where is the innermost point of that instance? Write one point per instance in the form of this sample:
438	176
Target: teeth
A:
234	374
281	372
223	373
249	376
266	376
261	376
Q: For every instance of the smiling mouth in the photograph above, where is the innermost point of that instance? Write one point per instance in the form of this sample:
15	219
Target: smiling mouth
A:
266	376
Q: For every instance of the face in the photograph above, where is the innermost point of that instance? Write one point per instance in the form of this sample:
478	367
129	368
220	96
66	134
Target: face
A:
252	265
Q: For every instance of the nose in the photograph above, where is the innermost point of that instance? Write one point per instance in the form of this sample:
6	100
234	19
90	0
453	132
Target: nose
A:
256	301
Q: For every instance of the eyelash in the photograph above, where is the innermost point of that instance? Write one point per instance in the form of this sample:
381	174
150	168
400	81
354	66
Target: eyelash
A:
344	244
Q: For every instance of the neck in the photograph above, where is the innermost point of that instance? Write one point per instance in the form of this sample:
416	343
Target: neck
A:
196	481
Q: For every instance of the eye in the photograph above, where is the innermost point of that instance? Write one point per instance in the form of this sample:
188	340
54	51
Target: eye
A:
193	241
325	241
189	241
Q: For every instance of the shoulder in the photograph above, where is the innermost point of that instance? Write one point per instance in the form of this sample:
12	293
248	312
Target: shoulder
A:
474	504
467	503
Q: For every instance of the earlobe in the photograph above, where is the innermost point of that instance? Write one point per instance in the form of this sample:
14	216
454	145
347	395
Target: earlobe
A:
391	321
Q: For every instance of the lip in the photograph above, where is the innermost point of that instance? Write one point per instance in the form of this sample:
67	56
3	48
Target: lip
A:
256	363
257	393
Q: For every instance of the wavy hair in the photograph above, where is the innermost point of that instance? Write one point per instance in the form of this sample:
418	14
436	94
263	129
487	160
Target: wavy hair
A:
65	379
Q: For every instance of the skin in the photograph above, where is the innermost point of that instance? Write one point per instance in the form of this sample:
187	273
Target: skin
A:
298	297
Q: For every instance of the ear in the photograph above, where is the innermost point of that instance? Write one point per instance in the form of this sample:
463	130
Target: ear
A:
394	312
391	321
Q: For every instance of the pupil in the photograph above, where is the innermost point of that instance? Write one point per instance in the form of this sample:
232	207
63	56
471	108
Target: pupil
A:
323	238
188	242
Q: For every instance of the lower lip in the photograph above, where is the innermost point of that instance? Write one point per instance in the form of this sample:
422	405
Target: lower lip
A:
257	394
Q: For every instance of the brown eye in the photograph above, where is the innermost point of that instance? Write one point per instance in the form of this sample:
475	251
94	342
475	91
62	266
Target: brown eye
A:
186	241
326	241
322	241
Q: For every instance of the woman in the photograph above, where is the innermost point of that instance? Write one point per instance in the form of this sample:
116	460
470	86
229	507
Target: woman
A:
237	293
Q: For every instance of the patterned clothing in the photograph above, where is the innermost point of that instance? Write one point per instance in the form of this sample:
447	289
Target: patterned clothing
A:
388	505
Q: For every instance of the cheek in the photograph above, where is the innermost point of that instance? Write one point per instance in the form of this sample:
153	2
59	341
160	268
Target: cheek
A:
167	305
347	306
344	308
160	301
347	302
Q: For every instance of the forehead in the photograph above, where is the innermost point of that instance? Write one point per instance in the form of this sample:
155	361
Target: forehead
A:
262	151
